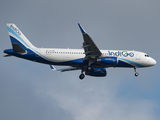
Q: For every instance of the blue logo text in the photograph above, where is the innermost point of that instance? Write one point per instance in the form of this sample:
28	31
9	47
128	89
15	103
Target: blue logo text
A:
121	53
16	30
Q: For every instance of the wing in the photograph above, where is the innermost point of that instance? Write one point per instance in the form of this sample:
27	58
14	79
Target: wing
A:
90	48
92	52
65	69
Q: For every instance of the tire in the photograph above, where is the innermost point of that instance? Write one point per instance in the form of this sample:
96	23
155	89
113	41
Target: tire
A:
81	76
136	74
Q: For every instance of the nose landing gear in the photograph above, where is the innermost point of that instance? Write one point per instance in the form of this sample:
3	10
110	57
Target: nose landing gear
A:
136	73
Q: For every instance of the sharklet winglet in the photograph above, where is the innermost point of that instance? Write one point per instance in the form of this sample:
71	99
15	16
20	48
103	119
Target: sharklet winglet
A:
82	30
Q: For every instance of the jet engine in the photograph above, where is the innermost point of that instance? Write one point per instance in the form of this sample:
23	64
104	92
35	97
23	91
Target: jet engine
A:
97	72
108	60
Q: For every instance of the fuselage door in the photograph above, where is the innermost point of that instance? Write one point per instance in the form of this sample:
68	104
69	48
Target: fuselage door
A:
138	57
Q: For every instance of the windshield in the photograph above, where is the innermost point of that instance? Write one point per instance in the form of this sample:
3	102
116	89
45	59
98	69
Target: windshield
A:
146	55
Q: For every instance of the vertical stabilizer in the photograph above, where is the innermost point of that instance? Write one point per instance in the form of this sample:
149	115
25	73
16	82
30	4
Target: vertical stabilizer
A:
17	37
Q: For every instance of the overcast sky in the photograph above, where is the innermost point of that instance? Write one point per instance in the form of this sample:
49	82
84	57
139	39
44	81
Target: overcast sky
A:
31	91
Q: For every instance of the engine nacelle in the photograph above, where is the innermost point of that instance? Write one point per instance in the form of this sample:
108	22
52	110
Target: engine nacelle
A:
97	72
108	60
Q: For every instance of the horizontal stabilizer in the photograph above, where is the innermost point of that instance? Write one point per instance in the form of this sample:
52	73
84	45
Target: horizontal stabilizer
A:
52	67
7	55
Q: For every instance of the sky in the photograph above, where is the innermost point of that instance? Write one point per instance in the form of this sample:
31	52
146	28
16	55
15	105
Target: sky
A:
32	91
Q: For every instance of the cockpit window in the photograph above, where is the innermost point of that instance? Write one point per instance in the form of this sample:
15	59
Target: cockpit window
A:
146	55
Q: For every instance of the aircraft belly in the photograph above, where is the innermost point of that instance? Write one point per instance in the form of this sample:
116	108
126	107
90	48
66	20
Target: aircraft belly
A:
62	58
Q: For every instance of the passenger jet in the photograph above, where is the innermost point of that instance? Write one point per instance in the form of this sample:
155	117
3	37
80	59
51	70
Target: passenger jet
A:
90	60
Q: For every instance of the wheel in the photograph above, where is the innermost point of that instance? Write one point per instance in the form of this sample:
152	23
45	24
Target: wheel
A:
136	74
81	76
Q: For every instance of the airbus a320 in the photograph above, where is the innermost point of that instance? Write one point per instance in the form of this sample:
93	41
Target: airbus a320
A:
90	60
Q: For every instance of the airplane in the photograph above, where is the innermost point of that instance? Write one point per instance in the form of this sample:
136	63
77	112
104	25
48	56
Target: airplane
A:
90	60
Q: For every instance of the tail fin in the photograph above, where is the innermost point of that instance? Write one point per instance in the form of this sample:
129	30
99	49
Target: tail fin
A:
18	40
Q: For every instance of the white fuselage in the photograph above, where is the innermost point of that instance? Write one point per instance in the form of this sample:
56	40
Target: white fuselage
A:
134	58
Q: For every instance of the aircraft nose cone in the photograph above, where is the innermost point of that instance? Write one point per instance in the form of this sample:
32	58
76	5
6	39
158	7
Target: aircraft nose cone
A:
152	62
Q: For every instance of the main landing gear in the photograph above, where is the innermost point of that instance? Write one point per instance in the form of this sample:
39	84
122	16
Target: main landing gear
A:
136	73
81	76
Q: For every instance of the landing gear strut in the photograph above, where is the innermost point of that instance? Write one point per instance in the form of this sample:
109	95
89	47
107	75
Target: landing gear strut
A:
136	73
89	68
